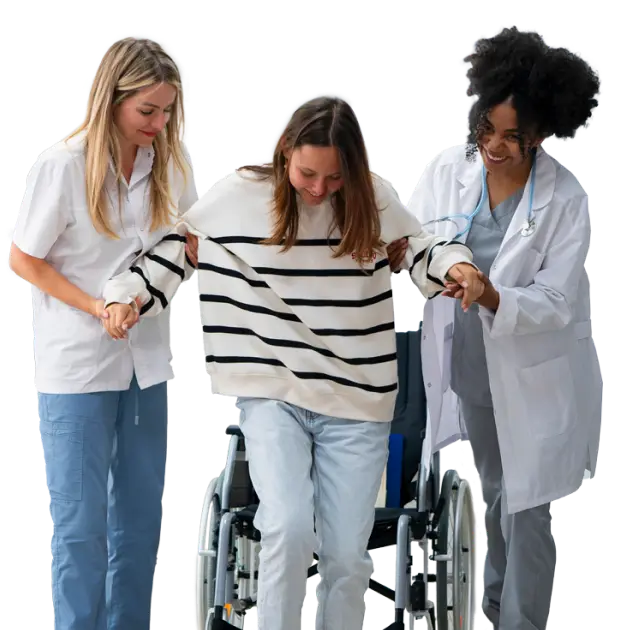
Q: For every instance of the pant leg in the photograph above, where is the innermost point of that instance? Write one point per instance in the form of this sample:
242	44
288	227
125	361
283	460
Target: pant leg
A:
482	433
279	451
521	558
77	433
531	560
349	460
135	505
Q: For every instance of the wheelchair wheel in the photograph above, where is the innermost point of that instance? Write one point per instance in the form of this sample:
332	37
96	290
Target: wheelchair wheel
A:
206	551
464	560
444	551
455	555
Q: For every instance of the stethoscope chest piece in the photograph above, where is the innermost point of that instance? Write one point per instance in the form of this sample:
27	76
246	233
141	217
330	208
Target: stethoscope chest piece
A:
528	228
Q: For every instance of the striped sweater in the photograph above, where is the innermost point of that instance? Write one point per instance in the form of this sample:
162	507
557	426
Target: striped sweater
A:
299	326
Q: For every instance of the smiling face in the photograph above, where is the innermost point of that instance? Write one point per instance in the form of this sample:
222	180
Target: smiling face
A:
314	172
500	141
141	117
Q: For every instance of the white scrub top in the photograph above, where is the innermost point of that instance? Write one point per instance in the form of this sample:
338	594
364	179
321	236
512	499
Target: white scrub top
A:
73	352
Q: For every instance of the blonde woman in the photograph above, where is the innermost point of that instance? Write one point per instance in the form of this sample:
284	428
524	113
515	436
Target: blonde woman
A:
93	203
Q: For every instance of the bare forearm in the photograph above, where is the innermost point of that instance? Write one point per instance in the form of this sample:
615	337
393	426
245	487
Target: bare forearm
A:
47	279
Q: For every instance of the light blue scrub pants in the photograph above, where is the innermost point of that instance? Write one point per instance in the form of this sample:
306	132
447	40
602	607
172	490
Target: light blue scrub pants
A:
317	479
105	457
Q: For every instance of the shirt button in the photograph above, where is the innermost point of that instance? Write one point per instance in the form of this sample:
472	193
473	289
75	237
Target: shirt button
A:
428	384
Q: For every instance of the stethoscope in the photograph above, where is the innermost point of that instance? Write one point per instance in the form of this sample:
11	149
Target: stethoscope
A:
527	229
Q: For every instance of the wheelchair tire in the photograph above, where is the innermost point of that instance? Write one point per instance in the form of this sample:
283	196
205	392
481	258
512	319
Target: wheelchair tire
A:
455	544
443	547
464	560
207	564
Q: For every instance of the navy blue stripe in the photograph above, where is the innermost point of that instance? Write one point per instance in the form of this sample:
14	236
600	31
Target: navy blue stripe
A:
150	288
382	389
166	263
322	273
290	317
148	306
174	237
255	240
286	343
261	284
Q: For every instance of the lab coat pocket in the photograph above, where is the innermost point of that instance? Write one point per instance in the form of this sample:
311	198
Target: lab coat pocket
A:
447	357
549	395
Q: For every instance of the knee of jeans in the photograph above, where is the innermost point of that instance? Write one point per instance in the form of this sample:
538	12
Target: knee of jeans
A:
293	530
344	557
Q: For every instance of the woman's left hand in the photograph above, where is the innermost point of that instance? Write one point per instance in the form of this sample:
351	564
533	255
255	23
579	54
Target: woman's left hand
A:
489	298
121	319
467	277
192	249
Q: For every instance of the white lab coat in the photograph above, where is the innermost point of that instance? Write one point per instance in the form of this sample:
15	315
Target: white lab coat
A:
544	372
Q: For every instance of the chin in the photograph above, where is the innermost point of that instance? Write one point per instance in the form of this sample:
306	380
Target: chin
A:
311	201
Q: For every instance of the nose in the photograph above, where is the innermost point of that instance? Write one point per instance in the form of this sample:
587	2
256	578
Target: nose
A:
493	141
158	121
319	186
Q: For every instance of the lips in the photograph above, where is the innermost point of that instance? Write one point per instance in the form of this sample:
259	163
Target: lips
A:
150	134
494	159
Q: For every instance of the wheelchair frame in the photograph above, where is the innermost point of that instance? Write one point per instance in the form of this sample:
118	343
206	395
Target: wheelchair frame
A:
443	520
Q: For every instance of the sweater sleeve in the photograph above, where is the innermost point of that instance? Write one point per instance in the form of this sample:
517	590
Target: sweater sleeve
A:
155	276
429	258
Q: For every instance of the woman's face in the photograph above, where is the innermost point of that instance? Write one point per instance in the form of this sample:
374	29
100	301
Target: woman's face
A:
142	116
500	138
314	172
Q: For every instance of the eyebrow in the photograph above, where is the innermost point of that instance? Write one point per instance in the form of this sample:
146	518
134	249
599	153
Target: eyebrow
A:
147	104
515	131
310	170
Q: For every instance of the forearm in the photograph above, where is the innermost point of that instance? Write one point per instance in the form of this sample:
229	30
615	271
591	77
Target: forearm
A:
153	278
47	279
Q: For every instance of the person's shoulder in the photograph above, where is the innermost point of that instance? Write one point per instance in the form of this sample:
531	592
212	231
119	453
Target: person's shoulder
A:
242	184
567	185
63	154
453	156
454	161
64	162
385	194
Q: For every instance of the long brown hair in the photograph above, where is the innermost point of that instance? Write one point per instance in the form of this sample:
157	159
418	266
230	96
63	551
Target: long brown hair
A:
128	66
326	122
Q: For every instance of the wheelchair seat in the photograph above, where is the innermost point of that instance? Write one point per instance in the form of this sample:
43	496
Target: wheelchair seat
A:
384	532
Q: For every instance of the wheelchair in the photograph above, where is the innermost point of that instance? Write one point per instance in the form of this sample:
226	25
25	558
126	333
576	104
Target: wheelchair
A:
419	508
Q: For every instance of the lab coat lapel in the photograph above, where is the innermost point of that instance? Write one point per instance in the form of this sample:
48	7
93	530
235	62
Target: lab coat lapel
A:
469	181
543	192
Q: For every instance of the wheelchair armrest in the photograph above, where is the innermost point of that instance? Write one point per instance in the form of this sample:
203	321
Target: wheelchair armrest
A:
234	430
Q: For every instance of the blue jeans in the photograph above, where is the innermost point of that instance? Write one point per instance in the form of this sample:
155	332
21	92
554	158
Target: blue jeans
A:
105	457
309	469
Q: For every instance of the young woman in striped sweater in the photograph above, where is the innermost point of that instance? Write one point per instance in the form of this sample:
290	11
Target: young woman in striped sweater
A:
297	314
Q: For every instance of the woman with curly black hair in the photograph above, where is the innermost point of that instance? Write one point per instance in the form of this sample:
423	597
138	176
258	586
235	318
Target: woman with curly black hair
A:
517	374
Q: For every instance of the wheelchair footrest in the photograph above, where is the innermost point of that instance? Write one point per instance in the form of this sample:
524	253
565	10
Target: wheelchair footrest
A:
397	625
220	624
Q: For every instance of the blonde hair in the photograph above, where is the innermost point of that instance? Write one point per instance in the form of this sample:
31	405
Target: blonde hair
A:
128	66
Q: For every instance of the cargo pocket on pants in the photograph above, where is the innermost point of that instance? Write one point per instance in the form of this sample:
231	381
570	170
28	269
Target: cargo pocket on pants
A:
63	453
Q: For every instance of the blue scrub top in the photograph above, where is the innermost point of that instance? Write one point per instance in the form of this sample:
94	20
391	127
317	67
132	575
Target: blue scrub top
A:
469	369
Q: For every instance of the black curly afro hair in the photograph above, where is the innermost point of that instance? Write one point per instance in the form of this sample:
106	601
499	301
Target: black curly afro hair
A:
552	90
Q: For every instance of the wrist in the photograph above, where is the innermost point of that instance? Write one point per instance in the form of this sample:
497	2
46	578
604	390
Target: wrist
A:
490	298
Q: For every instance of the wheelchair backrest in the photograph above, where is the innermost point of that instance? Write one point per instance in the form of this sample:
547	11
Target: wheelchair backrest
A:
409	423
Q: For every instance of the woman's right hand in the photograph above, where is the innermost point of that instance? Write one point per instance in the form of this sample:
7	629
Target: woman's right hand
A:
120	319
396	251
